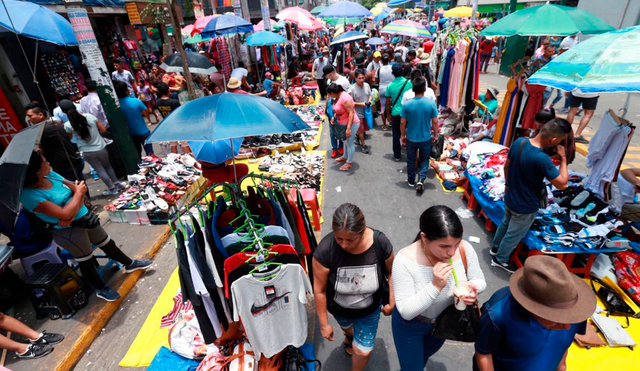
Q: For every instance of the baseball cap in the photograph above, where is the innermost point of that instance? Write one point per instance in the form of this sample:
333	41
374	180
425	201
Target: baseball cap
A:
377	54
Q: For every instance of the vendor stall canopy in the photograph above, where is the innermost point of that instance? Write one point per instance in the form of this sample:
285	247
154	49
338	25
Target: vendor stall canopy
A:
36	22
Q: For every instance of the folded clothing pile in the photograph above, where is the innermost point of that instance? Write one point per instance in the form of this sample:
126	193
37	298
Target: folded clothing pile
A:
300	95
309	113
306	168
159	183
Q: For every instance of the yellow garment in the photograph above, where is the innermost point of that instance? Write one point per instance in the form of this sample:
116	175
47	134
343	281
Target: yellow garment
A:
511	86
606	358
151	337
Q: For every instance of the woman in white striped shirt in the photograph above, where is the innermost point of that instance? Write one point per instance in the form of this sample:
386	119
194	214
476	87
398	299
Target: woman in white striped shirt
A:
423	284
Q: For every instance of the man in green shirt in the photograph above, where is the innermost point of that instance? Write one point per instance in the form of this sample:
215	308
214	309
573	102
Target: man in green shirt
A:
394	93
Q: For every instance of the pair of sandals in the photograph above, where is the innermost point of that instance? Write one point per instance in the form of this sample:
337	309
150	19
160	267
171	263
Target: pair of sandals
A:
346	167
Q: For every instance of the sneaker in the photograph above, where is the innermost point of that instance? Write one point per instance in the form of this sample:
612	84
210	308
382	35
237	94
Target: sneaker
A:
108	294
341	151
411	183
493	251
420	186
365	149
509	267
110	192
397	159
334	153
36	351
581	139
138	265
563	110
48	338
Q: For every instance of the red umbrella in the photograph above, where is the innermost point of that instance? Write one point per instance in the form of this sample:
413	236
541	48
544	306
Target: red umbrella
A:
201	23
294	9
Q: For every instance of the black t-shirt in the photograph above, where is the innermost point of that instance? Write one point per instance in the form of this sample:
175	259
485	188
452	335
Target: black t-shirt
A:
166	106
54	142
353	288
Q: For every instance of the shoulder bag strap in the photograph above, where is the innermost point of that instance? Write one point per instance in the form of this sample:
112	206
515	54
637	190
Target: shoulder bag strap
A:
463	256
379	252
399	94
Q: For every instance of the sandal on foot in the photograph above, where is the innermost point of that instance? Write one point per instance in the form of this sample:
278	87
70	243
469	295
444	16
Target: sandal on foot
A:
341	159
345	167
348	345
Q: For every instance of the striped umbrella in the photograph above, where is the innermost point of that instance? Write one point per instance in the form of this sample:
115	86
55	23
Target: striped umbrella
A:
406	28
601	64
348	37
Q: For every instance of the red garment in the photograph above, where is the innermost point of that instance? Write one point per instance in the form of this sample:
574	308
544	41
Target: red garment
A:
179	305
487	46
300	225
534	105
238	259
222	173
627	266
239	91
428	46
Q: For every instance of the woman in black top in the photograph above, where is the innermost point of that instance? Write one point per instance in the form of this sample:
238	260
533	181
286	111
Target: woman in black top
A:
351	267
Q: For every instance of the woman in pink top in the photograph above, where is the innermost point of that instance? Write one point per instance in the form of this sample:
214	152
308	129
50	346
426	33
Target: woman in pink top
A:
347	122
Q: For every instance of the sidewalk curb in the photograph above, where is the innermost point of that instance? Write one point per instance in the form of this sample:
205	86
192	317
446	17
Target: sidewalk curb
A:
100	318
582	149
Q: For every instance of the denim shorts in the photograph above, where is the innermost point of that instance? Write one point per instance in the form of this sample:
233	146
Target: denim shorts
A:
364	329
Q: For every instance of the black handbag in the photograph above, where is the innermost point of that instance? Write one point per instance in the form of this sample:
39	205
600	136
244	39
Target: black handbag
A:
384	290
437	148
89	221
295	361
453	324
615	305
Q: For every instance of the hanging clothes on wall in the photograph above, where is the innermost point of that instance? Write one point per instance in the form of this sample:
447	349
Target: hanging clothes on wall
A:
532	105
505	126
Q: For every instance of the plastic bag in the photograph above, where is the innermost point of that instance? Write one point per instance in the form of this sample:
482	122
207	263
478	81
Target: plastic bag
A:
368	116
454	324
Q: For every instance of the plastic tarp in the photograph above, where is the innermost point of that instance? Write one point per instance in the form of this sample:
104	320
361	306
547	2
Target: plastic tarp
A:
112	3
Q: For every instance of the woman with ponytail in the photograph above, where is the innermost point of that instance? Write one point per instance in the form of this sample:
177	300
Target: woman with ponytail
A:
93	147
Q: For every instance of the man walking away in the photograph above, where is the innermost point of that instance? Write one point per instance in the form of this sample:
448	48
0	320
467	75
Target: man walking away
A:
418	125
486	48
134	112
394	93
91	103
525	170
317	71
530	325
384	77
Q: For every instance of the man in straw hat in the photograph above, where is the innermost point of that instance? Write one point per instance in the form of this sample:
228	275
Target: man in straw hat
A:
531	324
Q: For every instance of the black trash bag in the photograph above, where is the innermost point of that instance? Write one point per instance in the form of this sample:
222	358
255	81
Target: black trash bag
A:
437	148
458	325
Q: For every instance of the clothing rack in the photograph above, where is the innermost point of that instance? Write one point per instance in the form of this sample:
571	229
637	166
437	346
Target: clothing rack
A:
269	178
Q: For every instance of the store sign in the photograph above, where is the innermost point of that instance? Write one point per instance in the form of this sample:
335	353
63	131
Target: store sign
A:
9	123
89	49
134	14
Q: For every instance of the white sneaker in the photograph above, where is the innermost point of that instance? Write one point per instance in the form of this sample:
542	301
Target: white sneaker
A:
162	204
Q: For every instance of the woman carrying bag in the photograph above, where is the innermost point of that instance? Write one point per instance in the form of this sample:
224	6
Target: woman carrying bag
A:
423	284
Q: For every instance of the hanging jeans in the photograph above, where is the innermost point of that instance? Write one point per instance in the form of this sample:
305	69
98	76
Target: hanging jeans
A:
350	143
414	343
421	151
395	130
335	142
512	229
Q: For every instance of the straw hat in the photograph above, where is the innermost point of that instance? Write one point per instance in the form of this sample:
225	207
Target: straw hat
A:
494	91
325	49
547	289
233	83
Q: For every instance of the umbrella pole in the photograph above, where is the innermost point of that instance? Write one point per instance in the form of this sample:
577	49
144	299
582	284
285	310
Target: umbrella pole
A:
233	159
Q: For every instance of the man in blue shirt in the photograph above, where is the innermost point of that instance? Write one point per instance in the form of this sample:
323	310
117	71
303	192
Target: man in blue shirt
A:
419	117
134	112
525	170
530	325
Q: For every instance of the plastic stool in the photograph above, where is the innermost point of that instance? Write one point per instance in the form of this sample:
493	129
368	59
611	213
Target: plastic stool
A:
472	203
53	288
49	255
488	223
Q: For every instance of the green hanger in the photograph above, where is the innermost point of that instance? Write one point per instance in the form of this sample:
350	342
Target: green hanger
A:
263	266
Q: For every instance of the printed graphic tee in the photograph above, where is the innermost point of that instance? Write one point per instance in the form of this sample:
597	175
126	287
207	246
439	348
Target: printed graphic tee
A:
353	289
273	311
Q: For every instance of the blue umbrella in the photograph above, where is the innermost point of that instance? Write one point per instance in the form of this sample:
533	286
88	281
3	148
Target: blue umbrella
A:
226	24
265	38
383	14
225	116
36	22
348	37
398	2
345	9
216	152
375	41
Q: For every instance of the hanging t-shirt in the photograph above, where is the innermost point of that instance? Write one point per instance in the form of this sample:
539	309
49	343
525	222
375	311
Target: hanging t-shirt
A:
353	288
273	312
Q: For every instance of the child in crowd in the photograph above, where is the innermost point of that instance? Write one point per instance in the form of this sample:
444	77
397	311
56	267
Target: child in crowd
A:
147	97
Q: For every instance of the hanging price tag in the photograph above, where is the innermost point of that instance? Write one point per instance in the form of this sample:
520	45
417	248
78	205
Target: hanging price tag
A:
262	268
259	258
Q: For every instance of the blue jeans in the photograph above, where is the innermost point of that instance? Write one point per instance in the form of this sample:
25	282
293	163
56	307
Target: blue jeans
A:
512	229
395	130
335	142
548	92
422	150
364	329
414	343
138	141
350	147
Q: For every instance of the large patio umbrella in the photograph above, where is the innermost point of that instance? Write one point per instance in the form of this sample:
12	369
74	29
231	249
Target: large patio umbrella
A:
227	116
375	41
601	64
293	10
226	24
263	38
345	9
36	22
13	168
201	23
459	11
216	152
196	39
304	20
318	9
405	27
337	21
260	26
197	63
548	20
395	3
348	37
